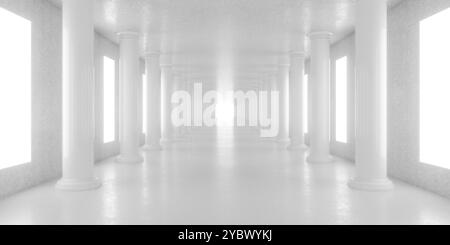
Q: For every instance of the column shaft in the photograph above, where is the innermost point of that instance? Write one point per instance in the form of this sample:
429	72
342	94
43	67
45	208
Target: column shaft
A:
283	88
296	101
371	110
320	98
129	78
176	85
78	97
153	136
166	80
272	86
184	135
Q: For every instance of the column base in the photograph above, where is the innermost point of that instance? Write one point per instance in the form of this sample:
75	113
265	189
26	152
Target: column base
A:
179	139
165	143
152	147
300	147
284	143
78	184
371	185
269	139
130	159
320	159
184	139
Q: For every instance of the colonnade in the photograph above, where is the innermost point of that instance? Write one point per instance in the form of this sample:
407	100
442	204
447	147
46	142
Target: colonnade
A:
78	139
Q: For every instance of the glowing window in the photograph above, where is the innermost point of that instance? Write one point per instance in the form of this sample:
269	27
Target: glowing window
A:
109	100
341	100
305	103
435	89
15	89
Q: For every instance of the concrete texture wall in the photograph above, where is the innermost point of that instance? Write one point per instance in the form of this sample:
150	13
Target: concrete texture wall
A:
404	95
345	47
46	97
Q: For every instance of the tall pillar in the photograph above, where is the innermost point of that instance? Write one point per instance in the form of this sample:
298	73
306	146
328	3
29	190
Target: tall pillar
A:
78	97
371	110
166	84
296	101
153	138
320	98
184	135
283	88
129	78
176	85
272	86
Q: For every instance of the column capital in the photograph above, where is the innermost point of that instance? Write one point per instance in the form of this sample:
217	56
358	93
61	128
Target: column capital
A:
166	60
284	65
284	61
128	35
152	57
152	54
297	54
320	35
166	66
271	75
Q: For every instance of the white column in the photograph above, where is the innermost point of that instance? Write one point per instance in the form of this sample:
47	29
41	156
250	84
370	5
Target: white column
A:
283	88
296	101
272	86
78	97
129	78
184	129
190	89
266	86
176	85
371	110
166	84
320	98
153	138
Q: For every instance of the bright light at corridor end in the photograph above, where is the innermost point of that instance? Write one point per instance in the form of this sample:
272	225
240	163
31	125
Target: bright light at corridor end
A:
227	109
435	89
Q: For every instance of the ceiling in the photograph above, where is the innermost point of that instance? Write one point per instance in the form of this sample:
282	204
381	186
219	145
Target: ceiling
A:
233	38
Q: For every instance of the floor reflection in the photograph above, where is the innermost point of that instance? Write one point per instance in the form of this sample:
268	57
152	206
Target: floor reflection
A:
240	182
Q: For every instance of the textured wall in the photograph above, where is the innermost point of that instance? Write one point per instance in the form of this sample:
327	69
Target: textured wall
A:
403	96
104	47
46	97
345	47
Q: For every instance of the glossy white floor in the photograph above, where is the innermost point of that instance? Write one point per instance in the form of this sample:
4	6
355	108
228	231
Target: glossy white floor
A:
241	185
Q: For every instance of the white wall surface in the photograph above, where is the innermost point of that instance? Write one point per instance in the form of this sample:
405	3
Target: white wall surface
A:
104	47
403	96
46	97
345	47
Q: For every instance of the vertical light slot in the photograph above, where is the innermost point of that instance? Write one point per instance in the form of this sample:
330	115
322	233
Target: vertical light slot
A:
435	89
341	100
15	89
109	100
